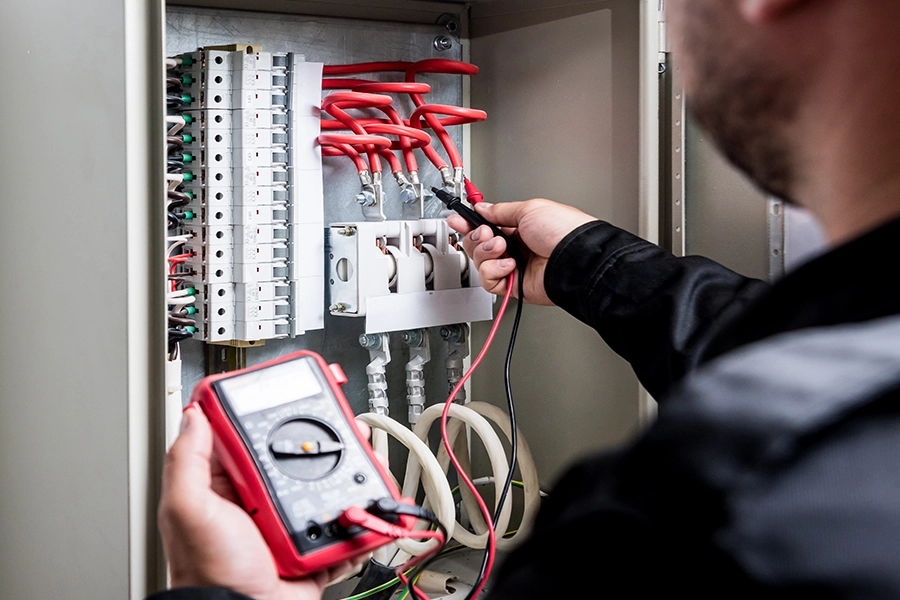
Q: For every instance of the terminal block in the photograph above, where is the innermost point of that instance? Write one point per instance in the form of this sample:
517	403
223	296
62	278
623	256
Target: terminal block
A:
256	216
403	275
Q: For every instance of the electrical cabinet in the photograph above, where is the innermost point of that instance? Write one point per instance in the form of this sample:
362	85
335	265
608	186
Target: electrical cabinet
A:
576	112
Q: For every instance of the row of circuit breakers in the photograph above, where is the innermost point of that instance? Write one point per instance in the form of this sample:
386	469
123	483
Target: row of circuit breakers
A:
258	238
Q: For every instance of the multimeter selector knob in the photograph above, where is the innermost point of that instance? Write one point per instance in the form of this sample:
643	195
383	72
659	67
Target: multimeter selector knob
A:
305	448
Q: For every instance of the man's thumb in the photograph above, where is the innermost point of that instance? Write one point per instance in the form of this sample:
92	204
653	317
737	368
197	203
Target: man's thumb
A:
187	462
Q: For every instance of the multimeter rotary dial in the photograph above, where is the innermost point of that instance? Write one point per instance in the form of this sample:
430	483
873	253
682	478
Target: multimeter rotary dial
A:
305	448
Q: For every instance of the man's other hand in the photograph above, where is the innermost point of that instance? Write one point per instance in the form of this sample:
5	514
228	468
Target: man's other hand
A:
538	224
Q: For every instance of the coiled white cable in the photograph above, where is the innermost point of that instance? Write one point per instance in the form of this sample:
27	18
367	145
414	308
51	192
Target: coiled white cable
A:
434	482
424	468
527	470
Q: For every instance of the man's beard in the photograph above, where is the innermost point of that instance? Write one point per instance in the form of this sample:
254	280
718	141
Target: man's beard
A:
743	104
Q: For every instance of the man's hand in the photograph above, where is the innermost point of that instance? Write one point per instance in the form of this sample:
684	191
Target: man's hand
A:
538	224
208	538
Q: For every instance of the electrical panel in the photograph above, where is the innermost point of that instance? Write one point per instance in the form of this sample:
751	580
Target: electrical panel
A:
249	130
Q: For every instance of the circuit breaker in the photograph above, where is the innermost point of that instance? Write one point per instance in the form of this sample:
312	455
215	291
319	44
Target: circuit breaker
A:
255	218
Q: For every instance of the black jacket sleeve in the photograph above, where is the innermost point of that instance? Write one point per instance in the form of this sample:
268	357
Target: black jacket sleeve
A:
198	593
654	309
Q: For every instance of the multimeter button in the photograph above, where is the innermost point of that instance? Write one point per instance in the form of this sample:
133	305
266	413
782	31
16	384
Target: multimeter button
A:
338	373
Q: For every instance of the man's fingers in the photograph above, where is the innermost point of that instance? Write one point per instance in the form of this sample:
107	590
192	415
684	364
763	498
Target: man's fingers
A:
491	249
495	274
476	238
506	214
186	470
457	223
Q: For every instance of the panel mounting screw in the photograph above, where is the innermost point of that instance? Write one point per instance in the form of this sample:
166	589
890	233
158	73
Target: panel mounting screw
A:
442	43
338	307
662	68
346	231
450	23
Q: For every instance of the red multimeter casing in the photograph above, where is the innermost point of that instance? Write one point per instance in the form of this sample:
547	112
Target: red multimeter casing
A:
287	439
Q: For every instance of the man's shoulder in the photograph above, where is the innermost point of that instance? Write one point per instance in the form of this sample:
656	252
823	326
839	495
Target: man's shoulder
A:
791	442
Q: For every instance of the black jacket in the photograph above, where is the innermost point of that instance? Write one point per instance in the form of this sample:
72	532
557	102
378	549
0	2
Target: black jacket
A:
773	469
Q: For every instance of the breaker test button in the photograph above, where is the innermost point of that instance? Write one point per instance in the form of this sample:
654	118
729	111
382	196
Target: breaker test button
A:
338	373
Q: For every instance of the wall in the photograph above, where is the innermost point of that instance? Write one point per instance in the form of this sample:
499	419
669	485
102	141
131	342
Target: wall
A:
561	91
82	310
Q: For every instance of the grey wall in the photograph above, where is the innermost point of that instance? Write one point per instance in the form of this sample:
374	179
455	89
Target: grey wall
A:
80	304
561	93
725	214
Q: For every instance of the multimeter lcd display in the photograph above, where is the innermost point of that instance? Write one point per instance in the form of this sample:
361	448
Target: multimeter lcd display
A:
274	386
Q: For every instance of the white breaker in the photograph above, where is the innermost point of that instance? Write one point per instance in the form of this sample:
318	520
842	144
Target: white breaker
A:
257	212
403	275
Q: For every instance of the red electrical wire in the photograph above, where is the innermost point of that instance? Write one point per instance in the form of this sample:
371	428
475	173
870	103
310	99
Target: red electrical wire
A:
408	137
429	112
488	517
343	83
344	143
449	67
175	261
334	104
426	112
369	67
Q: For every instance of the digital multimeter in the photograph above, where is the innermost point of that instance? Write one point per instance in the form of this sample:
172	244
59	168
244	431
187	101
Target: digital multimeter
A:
287	439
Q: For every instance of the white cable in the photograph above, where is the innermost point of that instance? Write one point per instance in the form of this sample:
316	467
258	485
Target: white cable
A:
434	482
171	63
527	469
177	294
177	125
175	245
181	301
174	179
495	451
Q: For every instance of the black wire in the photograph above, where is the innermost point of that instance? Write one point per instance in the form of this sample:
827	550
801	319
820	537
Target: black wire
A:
178	335
513	435
174	101
174	166
177	199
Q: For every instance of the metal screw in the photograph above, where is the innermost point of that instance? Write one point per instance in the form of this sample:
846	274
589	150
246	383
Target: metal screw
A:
366	198
359	478
408	195
662	68
370	342
442	43
412	337
451	333
338	307
450	22
347	232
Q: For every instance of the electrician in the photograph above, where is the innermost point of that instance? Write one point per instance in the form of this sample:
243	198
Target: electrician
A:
773	468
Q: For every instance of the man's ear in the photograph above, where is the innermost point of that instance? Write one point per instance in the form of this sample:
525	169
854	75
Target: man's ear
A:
766	11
